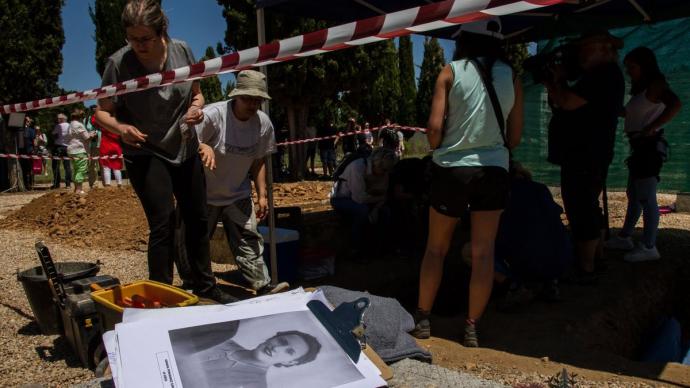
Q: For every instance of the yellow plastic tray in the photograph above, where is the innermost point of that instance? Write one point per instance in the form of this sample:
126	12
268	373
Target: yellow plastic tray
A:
168	295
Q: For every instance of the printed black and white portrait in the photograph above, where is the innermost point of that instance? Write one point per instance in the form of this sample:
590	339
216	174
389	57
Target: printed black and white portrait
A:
280	350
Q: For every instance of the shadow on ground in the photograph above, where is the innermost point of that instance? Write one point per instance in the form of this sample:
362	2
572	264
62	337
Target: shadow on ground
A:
60	351
601	327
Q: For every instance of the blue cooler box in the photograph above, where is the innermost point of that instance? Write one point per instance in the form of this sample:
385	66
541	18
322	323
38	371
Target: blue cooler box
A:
287	249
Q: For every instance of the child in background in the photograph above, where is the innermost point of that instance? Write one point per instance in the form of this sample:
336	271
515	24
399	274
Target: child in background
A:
40	147
110	147
78	139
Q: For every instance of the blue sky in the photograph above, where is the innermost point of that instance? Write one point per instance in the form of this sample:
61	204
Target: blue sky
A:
200	23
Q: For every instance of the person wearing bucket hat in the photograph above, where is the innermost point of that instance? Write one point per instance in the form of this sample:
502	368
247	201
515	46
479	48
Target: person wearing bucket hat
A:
585	117
250	83
475	119
235	139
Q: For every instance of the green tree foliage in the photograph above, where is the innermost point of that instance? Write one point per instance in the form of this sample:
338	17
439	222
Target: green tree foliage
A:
30	49
30	57
228	88
408	87
517	53
110	36
295	86
210	86
379	95
431	66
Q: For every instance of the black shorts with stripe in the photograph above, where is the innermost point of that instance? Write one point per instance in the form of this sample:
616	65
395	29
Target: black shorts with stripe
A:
454	189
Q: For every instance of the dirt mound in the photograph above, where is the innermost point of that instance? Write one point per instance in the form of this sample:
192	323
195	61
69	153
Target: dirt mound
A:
106	218
301	193
114	218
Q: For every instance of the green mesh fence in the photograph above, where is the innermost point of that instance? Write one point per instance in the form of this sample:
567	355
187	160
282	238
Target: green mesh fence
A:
671	43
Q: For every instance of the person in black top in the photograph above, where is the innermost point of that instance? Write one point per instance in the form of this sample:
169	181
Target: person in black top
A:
327	149
585	118
348	143
26	147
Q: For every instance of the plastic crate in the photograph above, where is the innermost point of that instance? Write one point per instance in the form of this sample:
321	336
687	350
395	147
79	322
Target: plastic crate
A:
169	296
287	250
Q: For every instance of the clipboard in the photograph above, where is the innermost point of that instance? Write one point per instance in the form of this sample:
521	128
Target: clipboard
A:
344	323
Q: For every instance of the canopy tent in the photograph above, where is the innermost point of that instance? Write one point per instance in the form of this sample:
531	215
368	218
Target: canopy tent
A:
566	18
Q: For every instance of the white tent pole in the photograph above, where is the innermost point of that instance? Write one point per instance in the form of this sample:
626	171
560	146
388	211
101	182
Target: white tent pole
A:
641	10
261	31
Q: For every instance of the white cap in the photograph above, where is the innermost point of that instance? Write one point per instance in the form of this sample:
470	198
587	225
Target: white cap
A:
489	27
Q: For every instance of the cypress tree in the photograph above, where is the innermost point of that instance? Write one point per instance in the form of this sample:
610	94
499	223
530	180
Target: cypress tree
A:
30	58
210	86
30	49
408	89
381	93
110	36
431	66
295	86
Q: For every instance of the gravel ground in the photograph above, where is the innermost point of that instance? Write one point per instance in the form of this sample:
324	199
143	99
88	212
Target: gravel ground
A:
11	202
27	357
411	373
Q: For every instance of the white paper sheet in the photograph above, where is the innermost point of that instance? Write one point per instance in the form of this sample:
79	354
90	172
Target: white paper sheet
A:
134	315
146	356
110	343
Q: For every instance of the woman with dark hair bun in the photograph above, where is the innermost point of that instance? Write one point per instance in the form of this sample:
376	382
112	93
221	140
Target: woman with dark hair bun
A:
160	152
470	163
652	105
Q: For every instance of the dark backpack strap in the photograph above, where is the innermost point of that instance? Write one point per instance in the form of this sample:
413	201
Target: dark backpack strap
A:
493	97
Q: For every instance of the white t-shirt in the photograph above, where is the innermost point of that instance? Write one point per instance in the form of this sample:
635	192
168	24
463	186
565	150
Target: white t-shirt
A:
640	112
355	182
77	138
236	144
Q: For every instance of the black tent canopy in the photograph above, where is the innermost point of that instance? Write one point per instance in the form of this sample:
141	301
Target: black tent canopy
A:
567	18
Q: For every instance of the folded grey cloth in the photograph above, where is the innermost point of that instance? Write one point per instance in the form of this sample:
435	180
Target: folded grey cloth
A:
387	325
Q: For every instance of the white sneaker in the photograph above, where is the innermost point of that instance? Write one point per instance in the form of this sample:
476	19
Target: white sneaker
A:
619	243
642	253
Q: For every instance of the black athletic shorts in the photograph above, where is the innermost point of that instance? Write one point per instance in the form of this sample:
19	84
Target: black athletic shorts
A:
453	189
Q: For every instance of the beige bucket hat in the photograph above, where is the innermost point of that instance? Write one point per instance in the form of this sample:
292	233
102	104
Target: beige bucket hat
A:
250	83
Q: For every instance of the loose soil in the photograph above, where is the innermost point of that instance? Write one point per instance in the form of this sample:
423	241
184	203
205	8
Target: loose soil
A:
594	332
113	218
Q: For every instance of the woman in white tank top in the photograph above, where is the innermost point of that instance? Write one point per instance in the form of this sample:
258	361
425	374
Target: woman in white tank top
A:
652	105
470	165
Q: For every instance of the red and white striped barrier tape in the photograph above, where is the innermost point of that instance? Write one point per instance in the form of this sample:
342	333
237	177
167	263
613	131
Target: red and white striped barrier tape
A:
36	157
285	143
378	28
342	134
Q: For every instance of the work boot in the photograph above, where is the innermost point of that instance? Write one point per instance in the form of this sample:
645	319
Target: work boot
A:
270	289
471	339
218	295
422	325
